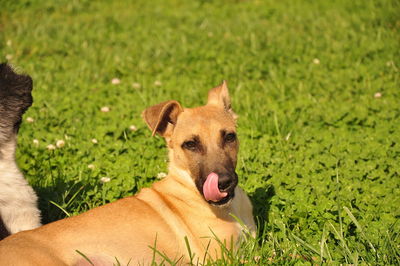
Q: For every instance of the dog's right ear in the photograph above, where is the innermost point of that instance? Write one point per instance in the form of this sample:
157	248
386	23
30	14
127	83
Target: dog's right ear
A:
161	118
219	96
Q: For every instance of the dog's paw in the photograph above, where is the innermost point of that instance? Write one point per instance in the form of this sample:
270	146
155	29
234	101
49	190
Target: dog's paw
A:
15	99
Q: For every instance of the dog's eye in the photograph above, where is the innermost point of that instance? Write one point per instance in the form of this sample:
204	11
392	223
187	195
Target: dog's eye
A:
189	145
231	137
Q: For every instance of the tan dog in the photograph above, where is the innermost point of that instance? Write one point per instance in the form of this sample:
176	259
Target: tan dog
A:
195	200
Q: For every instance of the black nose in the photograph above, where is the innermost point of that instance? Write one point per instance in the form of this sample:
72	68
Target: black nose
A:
224	181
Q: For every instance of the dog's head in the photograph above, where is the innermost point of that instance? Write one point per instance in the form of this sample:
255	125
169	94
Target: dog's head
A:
202	141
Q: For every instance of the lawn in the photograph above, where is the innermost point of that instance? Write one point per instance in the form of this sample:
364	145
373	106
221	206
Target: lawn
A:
316	85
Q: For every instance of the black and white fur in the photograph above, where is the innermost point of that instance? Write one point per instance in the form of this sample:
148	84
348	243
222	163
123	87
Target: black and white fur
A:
18	201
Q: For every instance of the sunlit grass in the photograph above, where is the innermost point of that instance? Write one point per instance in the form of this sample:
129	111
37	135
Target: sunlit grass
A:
315	85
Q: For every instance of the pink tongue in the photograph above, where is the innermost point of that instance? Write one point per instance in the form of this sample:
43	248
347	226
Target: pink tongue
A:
211	190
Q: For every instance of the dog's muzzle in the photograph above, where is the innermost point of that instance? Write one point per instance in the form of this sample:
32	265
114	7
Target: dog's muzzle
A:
219	188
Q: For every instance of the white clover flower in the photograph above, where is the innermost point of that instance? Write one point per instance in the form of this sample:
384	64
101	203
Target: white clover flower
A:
157	83
257	258
30	119
288	136
60	143
132	128
9	42
91	166
115	81
378	95
136	85
94	141
9	56
105	109
36	142
105	179
161	175
51	147
316	61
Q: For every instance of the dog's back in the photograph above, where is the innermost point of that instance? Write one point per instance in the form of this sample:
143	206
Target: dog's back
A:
130	228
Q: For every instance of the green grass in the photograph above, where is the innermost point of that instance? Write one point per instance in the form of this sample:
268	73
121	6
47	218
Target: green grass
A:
320	154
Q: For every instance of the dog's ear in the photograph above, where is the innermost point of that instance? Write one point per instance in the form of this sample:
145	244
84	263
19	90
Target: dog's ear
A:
219	96
162	117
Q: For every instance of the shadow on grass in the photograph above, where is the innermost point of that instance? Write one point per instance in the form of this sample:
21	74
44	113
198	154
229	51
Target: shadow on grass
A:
261	200
59	196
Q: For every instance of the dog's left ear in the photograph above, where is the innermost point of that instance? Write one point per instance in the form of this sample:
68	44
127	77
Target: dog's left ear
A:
219	96
161	118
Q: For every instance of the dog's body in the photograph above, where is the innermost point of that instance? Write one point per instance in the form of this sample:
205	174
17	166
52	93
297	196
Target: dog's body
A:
18	209
195	201
158	217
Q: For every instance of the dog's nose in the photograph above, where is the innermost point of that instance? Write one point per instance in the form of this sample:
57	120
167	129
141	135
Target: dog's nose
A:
224	181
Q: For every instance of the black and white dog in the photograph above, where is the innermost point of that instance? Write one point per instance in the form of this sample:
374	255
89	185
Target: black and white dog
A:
18	201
